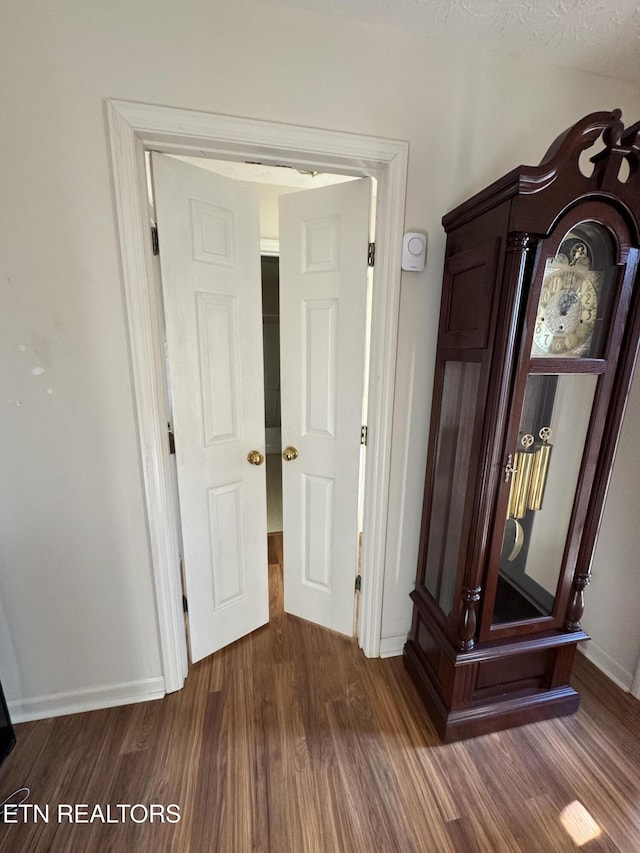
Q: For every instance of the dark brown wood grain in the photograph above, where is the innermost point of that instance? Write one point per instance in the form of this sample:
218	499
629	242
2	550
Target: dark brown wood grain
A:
498	245
291	741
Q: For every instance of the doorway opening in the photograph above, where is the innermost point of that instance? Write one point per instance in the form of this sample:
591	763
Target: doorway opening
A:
270	267
320	354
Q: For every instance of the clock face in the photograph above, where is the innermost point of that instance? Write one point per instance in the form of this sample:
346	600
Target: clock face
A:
576	296
567	310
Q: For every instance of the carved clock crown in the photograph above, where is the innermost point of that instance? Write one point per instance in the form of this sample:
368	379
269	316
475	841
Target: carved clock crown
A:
619	145
560	181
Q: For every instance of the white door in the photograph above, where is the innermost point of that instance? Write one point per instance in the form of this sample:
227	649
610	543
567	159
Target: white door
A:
209	234
324	235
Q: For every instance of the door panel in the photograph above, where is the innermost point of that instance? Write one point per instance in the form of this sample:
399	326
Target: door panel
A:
324	236
209	237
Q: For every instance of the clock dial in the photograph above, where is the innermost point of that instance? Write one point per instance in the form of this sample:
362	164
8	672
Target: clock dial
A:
576	296
567	310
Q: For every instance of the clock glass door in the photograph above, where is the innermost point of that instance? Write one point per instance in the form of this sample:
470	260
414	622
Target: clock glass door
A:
550	428
552	435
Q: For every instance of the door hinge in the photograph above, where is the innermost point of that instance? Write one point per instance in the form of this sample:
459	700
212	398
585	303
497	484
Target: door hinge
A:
185	604
364	432
358	583
172	441
155	245
371	254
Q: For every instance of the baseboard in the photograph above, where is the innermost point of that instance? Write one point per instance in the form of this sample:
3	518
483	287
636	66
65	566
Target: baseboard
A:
391	647
91	699
611	668
635	687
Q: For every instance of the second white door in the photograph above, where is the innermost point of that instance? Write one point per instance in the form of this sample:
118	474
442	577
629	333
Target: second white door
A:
324	237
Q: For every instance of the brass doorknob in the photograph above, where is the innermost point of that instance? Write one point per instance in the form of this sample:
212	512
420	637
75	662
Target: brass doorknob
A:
255	457
289	454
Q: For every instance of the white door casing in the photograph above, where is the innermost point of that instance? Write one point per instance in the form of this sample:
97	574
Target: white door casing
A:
209	233
324	235
134	127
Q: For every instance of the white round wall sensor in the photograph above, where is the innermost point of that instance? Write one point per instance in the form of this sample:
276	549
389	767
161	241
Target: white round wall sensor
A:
414	251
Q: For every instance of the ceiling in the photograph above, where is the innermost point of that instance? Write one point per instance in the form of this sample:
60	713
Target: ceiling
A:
602	36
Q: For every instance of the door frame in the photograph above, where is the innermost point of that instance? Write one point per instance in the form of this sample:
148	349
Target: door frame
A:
135	127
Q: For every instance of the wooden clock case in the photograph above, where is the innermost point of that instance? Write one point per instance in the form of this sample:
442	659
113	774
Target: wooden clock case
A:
479	671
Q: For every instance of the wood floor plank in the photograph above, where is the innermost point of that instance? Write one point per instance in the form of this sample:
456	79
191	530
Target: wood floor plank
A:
465	834
360	774
235	825
212	768
594	773
141	724
541	826
291	741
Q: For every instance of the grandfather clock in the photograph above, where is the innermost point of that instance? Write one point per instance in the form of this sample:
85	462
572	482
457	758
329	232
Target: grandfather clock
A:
539	329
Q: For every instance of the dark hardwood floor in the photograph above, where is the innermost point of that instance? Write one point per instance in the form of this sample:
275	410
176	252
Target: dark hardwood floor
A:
290	740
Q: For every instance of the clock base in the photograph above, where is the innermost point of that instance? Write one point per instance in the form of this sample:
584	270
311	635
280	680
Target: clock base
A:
494	686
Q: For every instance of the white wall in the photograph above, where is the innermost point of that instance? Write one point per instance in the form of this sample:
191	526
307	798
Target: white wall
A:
77	623
610	617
